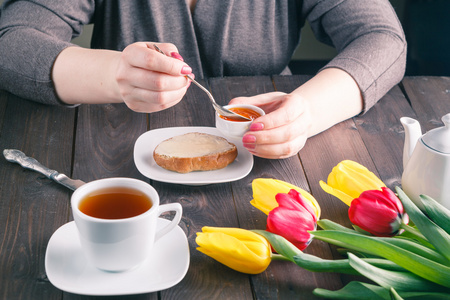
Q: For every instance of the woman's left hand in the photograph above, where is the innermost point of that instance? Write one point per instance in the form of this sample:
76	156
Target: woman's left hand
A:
283	131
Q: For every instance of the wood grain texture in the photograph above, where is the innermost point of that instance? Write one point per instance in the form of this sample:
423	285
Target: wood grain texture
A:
104	143
430	99
193	110
32	206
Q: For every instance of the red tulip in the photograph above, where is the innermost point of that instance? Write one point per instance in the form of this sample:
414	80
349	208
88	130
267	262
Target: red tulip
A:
292	219
378	212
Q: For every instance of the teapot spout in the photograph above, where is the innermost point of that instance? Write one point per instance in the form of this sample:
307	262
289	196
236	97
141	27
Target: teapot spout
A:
412	134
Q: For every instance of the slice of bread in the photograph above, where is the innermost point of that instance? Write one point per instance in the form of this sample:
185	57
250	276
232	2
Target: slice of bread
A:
194	151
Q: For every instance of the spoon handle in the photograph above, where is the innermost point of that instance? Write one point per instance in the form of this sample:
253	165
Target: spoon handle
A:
19	157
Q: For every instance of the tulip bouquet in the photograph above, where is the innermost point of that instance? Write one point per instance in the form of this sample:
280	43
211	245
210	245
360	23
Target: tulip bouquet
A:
402	261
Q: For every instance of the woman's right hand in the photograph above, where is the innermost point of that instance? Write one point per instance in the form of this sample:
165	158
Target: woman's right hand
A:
149	81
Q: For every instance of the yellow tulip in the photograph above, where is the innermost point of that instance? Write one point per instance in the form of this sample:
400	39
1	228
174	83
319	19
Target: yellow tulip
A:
349	179
265	190
239	249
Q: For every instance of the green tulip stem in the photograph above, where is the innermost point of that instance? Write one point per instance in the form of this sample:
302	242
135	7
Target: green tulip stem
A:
279	257
282	246
413	231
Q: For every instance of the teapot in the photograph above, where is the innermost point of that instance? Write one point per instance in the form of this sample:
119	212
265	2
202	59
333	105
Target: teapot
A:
426	162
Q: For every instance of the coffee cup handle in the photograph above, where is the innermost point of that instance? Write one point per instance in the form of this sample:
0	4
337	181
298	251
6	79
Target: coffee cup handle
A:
178	209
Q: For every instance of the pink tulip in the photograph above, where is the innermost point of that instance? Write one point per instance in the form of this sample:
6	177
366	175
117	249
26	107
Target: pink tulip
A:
292	219
378	212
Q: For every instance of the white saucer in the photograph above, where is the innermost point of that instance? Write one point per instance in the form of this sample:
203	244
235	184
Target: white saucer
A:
68	270
147	142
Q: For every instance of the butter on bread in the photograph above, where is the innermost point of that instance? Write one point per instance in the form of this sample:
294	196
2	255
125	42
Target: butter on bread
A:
194	151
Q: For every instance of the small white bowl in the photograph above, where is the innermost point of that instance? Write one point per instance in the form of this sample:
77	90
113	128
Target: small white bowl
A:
235	130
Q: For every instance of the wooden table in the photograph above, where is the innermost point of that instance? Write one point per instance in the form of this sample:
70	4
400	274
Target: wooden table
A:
96	141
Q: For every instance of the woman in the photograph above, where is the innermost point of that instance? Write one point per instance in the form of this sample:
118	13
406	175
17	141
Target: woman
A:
208	39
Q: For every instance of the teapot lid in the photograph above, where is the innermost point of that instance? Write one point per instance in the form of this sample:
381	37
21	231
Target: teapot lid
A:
439	138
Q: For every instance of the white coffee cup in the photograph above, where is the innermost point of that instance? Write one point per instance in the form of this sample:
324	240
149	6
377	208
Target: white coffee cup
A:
120	244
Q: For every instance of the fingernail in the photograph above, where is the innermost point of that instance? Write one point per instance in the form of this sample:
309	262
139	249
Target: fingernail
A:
186	70
256	126
248	139
176	55
249	146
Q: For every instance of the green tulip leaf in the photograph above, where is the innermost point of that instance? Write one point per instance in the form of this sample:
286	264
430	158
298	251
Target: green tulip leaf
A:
421	266
437	212
417	248
360	230
345	251
424	296
355	290
409	234
326	224
402	242
394	294
316	264
400	281
435	234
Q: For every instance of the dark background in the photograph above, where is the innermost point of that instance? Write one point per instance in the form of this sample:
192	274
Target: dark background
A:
427	28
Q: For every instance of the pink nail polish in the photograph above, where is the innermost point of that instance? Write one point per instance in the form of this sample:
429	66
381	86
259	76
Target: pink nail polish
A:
176	55
186	70
248	139
256	126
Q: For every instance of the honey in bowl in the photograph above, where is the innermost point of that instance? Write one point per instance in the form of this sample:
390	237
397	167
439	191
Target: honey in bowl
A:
243	111
115	203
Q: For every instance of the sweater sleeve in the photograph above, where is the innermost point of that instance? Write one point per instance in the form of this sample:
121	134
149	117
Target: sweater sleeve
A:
32	34
369	39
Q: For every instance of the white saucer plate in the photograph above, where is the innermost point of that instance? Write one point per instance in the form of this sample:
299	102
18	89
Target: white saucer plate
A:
147	142
68	269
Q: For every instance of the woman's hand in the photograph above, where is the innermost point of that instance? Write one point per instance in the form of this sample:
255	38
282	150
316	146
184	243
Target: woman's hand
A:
147	80
328	98
283	131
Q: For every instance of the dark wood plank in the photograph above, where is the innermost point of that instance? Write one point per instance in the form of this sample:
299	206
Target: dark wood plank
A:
193	110
32	207
210	205
232	87
105	140
430	99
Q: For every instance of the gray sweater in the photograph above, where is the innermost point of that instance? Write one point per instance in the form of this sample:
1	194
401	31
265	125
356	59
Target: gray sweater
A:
221	37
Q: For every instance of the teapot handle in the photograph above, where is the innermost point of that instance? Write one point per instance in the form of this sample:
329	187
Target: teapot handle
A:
412	134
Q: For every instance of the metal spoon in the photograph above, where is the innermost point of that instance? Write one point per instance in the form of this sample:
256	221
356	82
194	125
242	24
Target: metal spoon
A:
219	109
